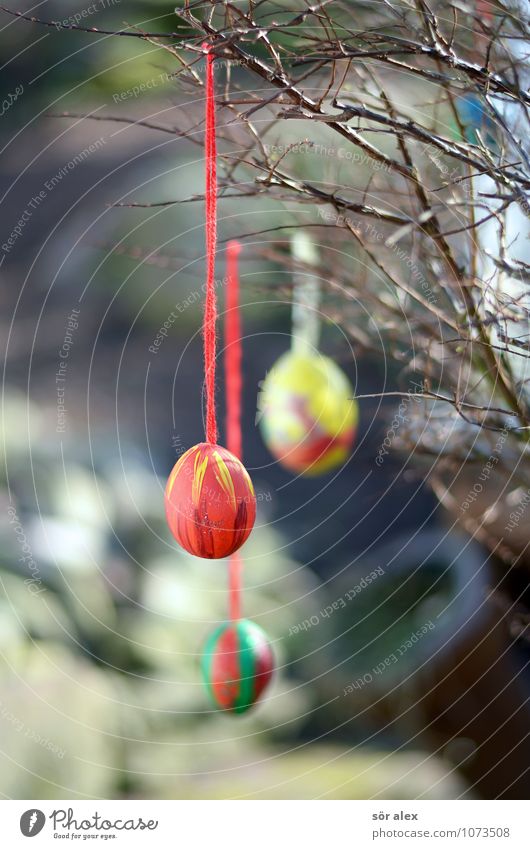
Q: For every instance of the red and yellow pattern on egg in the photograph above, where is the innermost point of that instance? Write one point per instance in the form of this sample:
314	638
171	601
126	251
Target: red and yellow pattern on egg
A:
210	501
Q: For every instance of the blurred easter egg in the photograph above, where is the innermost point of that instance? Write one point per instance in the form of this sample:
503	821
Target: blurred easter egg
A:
475	118
237	664
308	417
210	501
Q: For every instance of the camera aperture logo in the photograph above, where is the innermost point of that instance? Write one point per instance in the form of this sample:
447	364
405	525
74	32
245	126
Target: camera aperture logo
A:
32	822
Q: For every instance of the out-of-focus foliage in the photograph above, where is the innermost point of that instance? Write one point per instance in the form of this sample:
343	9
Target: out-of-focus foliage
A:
102	621
101	629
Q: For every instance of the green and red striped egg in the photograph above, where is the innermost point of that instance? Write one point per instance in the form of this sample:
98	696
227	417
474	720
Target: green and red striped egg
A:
237	664
210	501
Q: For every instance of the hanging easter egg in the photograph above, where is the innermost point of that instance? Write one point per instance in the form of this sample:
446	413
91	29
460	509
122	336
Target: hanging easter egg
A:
210	501
237	664
476	120
307	413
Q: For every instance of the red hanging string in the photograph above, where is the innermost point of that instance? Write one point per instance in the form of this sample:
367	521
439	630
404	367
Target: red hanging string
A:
233	354
210	306
484	9
234	384
234	586
484	13
232	322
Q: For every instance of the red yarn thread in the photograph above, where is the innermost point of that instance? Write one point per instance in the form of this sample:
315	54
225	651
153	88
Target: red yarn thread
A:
484	9
210	305
234	581
233	352
484	14
234	384
232	322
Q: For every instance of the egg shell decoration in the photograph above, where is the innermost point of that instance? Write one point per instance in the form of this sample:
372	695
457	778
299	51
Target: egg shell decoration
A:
210	501
308	415
474	117
237	664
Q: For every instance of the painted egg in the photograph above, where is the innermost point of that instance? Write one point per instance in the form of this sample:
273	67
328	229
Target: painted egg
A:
307	413
210	501
474	117
237	664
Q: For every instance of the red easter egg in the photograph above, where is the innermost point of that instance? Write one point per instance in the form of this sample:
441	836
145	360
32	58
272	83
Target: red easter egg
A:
210	501
237	665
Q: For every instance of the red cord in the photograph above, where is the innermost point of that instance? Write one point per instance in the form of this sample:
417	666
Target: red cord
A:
232	323
210	306
484	9
233	354
234	384
484	14
234	578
